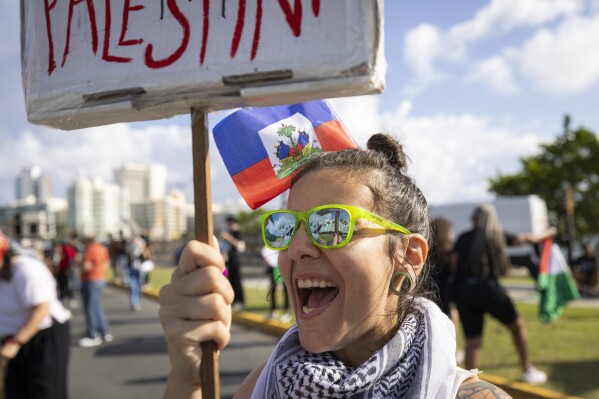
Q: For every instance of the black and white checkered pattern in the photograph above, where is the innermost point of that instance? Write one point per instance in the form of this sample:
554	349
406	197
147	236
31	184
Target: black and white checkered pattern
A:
387	374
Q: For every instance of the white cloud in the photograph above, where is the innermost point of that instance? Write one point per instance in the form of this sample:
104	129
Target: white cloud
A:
426	45
495	72
501	16
423	45
453	156
563	61
359	115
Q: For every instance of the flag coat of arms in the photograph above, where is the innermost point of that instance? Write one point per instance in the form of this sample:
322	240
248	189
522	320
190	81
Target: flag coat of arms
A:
262	147
555	284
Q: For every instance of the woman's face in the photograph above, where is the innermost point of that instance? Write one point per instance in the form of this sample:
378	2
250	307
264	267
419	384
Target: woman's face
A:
355	314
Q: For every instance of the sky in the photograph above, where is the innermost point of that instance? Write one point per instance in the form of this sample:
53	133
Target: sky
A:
471	87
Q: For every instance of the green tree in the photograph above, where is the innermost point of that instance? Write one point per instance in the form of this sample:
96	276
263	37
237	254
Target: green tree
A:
573	158
249	223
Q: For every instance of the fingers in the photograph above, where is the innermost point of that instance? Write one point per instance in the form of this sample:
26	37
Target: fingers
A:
195	305
198	255
203	281
208	307
185	333
202	295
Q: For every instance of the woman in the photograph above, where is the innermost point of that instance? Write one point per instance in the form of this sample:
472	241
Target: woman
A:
442	273
480	258
363	328
34	328
139	254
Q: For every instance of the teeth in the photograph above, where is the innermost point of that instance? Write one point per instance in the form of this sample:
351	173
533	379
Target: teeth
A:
314	284
307	309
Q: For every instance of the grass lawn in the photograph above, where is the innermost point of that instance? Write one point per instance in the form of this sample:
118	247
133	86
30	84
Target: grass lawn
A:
567	349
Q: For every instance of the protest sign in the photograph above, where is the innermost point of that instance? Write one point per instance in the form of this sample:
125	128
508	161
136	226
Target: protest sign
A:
95	62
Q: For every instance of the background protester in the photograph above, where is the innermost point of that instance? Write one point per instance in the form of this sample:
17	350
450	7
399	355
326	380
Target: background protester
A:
443	273
480	260
139	254
93	280
65	270
584	270
34	328
271	258
232	238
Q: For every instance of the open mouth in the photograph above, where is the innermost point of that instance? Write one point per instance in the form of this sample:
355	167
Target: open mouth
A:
315	294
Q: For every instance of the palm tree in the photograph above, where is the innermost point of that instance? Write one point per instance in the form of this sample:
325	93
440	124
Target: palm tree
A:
287	131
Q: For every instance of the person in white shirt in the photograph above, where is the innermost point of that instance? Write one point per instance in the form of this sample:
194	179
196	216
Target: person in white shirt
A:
34	327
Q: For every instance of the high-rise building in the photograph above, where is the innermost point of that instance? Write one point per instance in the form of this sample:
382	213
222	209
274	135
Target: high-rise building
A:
141	181
98	208
162	219
32	183
80	198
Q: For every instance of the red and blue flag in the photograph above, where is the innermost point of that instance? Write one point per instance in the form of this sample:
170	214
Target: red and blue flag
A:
261	147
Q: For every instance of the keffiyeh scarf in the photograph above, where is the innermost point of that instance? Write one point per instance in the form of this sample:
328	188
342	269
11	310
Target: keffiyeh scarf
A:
418	362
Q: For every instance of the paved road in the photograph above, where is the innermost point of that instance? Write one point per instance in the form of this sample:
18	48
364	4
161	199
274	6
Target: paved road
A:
135	364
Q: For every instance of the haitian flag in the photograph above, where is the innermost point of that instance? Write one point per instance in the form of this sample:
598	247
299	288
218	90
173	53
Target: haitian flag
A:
262	147
555	284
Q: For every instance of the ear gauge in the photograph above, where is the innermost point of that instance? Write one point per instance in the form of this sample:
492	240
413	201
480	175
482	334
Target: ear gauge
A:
403	289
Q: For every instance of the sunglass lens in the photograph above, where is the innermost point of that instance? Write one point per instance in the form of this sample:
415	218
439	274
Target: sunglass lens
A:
278	229
330	227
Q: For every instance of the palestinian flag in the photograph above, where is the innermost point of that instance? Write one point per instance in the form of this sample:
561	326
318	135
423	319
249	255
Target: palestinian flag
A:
555	285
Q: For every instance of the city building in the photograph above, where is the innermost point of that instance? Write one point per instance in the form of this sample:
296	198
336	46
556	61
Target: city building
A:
32	183
98	208
164	218
34	214
142	181
28	219
136	203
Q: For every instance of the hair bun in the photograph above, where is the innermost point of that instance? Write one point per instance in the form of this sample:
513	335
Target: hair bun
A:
390	148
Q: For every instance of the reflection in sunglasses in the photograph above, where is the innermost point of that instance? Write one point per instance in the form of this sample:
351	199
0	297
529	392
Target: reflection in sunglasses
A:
328	226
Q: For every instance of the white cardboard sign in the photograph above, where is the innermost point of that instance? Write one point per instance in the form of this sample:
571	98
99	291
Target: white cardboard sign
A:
96	62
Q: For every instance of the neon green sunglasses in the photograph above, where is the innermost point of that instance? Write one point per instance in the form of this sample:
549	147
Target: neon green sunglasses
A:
328	226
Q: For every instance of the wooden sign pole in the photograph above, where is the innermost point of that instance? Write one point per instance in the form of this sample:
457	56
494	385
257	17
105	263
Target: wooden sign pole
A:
204	233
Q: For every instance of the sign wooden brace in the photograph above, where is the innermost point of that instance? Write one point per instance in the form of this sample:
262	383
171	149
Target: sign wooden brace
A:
204	232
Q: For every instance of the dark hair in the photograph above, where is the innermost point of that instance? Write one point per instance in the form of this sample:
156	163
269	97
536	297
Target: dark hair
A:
382	168
441	241
6	270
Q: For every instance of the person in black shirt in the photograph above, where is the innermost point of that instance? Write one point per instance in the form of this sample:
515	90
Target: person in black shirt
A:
584	270
236	245
480	259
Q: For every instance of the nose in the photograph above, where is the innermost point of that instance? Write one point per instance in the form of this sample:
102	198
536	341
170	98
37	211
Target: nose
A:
301	247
